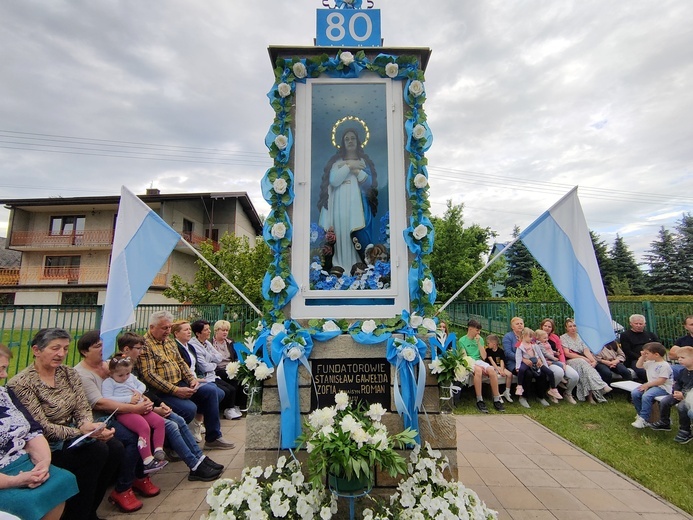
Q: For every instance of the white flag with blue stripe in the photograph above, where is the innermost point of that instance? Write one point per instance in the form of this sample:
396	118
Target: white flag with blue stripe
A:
141	246
560	241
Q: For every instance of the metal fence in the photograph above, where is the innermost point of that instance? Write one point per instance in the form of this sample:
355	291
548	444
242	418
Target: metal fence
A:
663	318
20	323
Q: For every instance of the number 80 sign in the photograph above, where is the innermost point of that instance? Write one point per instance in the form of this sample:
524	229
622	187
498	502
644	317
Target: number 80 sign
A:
348	28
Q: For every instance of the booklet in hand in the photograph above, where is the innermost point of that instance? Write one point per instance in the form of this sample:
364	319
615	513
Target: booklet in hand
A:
80	440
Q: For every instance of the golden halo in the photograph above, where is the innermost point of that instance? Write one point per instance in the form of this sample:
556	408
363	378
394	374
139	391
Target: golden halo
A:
350	118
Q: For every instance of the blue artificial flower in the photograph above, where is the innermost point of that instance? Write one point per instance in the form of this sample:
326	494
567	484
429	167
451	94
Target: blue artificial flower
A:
317	233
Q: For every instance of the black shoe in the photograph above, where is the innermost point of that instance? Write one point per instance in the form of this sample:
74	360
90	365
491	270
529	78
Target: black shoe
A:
204	473
661	426
481	406
214	465
683	437
498	405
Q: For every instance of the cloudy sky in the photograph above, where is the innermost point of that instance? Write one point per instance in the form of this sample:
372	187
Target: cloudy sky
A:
525	100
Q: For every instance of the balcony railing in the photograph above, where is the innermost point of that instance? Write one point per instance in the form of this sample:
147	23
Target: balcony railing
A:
9	276
195	239
90	237
71	276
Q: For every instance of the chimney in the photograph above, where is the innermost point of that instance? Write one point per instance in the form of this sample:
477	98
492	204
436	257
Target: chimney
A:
153	191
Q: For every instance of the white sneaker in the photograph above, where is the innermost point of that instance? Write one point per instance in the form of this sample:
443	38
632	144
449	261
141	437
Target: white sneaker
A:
569	398
523	402
195	429
506	396
543	402
231	413
640	423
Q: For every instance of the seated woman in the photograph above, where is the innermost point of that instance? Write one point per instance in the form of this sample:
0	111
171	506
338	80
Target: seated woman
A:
93	370
207	359
53	395
571	376
611	360
590	386
30	487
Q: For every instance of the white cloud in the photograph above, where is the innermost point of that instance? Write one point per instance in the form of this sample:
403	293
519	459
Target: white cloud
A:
525	100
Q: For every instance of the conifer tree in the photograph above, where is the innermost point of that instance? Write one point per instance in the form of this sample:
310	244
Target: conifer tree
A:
624	269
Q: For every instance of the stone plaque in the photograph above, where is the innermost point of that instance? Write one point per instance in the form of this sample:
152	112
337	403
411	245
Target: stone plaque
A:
365	380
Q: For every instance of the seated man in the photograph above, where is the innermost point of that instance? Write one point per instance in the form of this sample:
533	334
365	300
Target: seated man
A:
473	344
162	368
178	436
632	342
683	341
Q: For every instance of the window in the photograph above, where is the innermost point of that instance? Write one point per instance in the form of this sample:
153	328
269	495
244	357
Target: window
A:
7	298
187	230
214	235
62	267
68	225
79	298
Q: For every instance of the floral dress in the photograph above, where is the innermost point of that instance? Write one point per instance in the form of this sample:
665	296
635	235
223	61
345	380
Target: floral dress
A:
589	379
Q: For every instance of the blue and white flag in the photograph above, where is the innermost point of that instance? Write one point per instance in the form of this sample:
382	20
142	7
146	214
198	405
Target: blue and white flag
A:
560	241
141	246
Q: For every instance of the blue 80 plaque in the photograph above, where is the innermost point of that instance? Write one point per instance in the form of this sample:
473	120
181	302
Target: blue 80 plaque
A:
348	28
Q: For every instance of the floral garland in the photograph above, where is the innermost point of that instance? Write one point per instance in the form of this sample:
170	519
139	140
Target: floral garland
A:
279	286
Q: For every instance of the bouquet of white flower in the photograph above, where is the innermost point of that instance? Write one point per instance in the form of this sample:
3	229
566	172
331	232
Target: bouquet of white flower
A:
270	493
249	369
347	441
427	494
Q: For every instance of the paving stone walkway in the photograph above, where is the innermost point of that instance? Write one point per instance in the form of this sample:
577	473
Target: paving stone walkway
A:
517	467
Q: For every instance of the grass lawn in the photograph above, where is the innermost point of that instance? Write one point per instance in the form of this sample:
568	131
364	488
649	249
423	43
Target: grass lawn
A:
649	457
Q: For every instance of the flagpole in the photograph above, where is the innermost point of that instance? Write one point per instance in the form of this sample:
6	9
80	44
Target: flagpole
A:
508	245
220	275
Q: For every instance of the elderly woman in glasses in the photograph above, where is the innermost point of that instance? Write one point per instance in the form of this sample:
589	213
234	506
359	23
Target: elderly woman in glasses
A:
54	396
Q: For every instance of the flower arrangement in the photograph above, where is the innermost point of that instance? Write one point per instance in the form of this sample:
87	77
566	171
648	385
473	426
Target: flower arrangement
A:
452	365
427	494
270	493
347	441
249	369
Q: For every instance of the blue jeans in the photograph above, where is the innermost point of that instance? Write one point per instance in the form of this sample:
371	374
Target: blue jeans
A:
181	440
205	401
643	400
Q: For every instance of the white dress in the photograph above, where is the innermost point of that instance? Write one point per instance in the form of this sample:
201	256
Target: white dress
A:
344	213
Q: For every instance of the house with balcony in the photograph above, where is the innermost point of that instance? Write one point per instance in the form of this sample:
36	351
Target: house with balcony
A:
65	243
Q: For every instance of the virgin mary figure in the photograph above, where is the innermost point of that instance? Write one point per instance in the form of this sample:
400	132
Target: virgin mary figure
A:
348	200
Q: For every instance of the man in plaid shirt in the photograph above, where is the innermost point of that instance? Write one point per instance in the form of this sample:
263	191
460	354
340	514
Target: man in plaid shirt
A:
161	366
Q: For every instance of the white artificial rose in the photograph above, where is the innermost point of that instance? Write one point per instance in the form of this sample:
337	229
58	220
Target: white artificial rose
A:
279	230
281	141
346	58
368	326
294	353
429	324
299	70
251	362
420	232
409	354
284	89
277	284
418	132
279	186
420	180
415	321
427	287
416	88
330	326
391	70
277	328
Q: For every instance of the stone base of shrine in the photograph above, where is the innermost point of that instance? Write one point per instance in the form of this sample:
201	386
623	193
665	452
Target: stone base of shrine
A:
262	431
